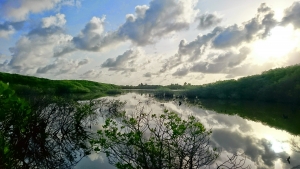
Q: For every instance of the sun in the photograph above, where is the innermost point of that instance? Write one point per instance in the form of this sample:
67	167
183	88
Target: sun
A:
278	44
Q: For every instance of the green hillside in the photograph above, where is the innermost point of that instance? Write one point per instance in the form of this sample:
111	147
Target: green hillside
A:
28	84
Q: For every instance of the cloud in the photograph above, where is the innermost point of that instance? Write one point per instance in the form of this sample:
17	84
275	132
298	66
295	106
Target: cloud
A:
208	20
38	47
258	26
62	66
9	28
181	72
221	38
123	63
148	74
193	49
161	17
92	37
221	62
293	57
248	69
292	15
20	9
91	74
57	20
259	150
232	59
170	63
121	60
228	122
99	162
146	26
263	8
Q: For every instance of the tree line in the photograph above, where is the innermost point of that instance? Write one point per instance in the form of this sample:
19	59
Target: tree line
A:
276	85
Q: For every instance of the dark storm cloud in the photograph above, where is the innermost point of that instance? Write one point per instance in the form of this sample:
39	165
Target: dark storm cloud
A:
292	15
208	20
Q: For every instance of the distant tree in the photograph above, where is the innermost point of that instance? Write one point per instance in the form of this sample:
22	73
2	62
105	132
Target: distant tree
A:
185	84
156	141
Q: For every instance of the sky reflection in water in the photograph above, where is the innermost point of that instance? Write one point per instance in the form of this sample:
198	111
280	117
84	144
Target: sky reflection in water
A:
268	147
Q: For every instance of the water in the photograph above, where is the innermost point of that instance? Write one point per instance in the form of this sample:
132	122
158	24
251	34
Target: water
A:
264	146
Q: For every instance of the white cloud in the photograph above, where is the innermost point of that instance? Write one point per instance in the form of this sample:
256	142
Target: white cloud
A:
9	28
57	20
148	74
208	20
292	15
38	47
5	33
91	74
18	10
146	26
91	37
181	72
161	17
62	66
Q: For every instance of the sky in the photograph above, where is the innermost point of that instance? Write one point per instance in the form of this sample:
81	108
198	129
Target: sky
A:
148	41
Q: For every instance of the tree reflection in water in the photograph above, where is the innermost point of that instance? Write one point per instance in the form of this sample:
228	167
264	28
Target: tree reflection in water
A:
46	132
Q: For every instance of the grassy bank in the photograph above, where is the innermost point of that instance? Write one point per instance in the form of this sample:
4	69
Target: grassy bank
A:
27	85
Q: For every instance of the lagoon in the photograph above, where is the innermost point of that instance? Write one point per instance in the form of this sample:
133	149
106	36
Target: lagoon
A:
261	132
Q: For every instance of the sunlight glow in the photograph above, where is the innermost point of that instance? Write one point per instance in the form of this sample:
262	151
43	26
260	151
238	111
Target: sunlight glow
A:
278	146
279	43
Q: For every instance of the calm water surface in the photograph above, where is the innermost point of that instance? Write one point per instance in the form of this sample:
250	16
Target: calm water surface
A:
264	146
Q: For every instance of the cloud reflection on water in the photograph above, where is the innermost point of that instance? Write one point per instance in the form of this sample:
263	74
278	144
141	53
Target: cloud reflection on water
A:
266	146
